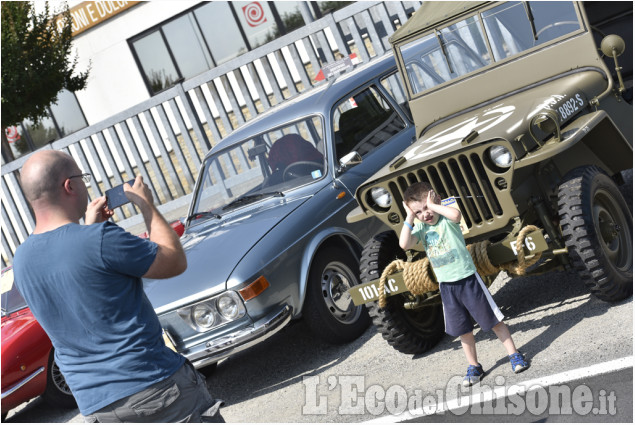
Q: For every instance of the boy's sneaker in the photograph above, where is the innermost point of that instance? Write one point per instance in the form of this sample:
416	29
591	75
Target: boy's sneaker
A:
474	375
518	362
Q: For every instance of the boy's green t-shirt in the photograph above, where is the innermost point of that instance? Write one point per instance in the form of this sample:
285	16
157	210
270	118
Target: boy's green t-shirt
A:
445	247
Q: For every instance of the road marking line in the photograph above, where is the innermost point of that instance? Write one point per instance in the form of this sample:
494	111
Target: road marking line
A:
497	393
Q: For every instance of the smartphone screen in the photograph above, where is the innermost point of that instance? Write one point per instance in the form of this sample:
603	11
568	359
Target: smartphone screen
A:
116	196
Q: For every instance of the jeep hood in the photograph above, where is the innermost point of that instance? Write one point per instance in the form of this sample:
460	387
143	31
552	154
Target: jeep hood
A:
505	118
213	249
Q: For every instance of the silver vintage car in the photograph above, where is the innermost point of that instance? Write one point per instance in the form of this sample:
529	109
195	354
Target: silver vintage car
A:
266	238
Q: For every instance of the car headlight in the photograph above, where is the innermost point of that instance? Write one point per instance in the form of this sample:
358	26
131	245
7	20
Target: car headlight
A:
203	315
381	197
501	156
229	305
213	312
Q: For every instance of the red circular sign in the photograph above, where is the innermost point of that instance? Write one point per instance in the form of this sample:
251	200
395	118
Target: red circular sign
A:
254	14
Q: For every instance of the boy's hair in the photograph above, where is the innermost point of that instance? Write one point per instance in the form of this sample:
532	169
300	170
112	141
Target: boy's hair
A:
417	192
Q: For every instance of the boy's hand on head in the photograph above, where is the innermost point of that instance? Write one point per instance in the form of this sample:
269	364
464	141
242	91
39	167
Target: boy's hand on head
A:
409	213
432	198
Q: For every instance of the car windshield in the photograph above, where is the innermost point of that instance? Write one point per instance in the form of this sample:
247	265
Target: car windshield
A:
265	165
461	48
11	300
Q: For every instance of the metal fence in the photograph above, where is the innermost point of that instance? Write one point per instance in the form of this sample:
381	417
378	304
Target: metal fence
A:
165	138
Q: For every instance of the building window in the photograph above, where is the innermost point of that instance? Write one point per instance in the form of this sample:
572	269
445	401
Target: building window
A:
209	35
156	62
63	118
216	15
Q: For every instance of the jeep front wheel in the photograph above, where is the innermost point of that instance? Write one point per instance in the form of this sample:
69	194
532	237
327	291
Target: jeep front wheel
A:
407	331
328	309
598	230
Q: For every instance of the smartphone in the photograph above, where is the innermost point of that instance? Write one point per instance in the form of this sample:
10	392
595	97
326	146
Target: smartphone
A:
116	196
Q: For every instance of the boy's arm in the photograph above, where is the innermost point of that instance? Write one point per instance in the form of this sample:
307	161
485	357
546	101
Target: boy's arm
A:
452	214
406	240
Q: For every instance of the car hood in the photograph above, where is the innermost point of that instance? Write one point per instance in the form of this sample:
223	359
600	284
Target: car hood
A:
213	249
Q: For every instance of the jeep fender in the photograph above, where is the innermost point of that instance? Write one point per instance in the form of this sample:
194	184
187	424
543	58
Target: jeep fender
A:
592	139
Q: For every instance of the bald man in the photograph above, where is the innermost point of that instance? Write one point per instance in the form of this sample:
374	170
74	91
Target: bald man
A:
83	284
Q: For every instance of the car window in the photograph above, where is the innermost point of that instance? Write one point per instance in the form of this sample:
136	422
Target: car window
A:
394	85
363	122
267	164
11	299
462	47
509	28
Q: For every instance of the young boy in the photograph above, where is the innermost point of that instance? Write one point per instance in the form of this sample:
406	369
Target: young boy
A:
463	293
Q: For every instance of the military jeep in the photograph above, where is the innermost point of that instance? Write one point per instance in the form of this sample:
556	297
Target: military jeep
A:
524	122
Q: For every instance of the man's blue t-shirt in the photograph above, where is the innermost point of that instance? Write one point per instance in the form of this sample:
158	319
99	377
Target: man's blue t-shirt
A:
83	285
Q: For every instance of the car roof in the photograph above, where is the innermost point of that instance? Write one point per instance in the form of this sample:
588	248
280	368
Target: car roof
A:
317	100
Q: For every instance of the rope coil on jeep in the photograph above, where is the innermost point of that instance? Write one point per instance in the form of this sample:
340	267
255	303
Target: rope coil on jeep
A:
419	276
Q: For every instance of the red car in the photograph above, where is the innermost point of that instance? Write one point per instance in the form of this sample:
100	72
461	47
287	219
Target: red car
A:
28	365
177	225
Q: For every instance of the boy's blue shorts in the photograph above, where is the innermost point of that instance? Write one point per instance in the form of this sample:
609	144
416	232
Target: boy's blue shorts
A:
464	298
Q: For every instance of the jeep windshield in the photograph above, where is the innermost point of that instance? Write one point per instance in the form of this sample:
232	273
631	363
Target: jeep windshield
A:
266	165
490	36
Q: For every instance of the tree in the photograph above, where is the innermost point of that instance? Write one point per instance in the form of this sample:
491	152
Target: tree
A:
36	61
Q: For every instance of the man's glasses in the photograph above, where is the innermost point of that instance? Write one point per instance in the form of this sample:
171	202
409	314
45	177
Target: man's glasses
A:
86	177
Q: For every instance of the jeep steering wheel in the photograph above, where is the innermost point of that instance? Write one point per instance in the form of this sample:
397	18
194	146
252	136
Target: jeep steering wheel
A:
299	169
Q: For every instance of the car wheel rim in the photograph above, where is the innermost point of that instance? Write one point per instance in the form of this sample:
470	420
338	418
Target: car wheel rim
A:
611	228
337	279
59	380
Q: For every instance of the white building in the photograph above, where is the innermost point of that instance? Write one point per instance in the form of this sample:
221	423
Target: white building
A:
135	49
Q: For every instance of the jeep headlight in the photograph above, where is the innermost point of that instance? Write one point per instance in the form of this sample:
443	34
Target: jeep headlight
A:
230	306
381	197
500	156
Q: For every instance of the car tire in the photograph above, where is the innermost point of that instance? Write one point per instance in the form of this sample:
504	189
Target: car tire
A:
57	392
328	309
597	227
407	331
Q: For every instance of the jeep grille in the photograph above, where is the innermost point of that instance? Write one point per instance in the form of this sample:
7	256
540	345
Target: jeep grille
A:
480	189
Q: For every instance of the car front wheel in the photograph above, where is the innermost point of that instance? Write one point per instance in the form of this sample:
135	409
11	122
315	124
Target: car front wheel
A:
57	392
328	309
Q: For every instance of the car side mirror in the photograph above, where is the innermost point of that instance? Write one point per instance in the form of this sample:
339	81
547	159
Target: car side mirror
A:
613	46
348	160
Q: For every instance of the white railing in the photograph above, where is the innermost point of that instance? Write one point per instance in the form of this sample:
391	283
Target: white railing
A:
165	138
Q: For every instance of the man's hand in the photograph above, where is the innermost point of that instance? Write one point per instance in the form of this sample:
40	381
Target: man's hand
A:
139	193
97	211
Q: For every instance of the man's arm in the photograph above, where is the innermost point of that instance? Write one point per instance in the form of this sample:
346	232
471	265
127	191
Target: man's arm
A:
170	260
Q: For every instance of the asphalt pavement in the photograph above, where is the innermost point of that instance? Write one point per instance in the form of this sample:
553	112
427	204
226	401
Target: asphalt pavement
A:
293	377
